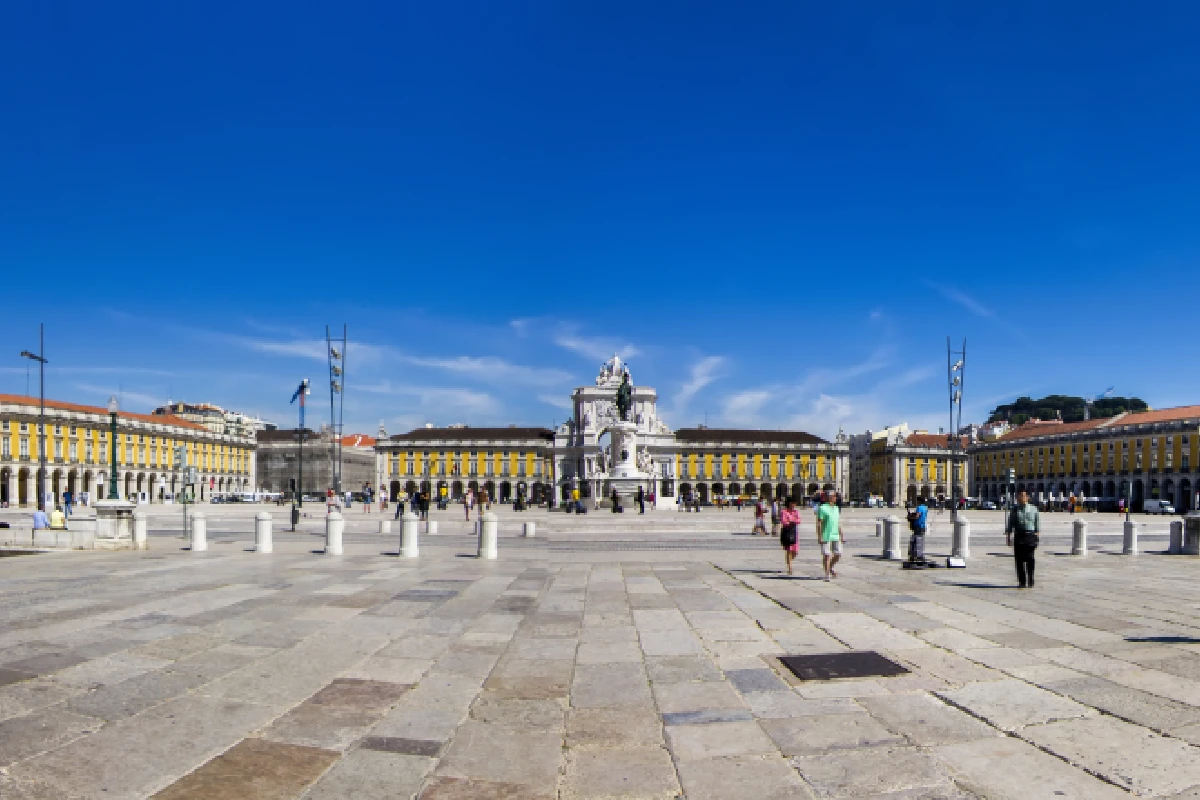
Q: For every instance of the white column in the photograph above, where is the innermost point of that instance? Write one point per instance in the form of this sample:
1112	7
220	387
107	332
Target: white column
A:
1079	538
961	547
139	530
891	538
488	526
1130	544
199	528
334	525
263	540
409	531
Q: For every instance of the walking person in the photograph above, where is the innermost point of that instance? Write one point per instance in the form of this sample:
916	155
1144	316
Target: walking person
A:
829	533
760	519
641	501
1021	534
789	533
468	502
399	505
616	501
775	517
68	502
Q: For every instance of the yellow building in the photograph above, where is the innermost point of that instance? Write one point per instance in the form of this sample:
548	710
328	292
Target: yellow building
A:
716	462
78	447
908	467
1133	456
499	461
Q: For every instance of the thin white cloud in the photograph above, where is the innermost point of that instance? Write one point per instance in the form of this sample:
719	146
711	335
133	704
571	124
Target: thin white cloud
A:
557	401
491	370
596	348
437	398
746	408
703	372
139	402
963	299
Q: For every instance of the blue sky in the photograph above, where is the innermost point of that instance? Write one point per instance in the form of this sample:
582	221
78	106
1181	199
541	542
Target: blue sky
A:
776	211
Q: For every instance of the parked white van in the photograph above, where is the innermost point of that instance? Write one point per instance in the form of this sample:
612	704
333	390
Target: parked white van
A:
1158	507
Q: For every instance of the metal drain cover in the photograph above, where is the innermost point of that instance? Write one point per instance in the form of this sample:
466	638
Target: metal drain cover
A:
831	666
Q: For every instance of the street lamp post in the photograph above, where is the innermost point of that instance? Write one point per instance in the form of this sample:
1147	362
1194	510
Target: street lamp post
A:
298	496
41	359
113	407
954	377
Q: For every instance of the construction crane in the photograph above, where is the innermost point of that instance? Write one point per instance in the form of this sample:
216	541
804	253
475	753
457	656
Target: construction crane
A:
1087	404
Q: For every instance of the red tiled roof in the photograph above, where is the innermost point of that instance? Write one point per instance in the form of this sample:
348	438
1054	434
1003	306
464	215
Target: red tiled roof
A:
358	440
932	440
1053	427
1162	415
162	419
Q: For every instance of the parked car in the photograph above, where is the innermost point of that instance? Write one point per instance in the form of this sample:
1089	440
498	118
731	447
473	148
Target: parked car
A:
1158	507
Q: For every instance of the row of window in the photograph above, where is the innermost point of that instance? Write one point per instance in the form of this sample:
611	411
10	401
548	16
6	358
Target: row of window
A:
750	471
927	472
443	464
222	462
1023	460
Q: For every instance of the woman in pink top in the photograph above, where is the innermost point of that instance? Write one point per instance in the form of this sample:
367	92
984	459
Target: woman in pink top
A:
789	520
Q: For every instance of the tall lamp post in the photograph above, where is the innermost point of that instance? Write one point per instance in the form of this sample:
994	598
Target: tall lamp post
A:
113	407
40	358
954	378
298	496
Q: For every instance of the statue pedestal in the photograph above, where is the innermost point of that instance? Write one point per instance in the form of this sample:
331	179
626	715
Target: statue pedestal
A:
114	524
624	475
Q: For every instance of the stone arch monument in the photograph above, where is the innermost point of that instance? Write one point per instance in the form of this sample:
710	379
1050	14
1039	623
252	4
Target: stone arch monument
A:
642	447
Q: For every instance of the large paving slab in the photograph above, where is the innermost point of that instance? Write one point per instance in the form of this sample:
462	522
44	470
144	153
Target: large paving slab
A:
605	658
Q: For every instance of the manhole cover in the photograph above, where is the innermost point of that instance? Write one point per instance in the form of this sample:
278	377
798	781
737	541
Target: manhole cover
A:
831	666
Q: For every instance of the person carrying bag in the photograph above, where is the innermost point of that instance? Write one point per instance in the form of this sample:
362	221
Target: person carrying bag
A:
789	533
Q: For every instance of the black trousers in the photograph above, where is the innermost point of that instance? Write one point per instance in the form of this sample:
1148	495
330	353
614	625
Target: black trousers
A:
1023	556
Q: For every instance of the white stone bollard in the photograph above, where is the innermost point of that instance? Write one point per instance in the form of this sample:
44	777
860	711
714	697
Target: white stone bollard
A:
487	536
334	525
263	542
891	538
139	531
961	545
385	526
431	526
1079	540
1176	547
199	532
410	527
1130	547
530	530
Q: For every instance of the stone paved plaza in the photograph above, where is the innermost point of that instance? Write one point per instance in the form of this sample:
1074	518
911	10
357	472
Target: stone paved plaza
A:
607	657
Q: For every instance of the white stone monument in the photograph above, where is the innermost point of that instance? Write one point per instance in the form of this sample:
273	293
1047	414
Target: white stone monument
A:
114	524
641	448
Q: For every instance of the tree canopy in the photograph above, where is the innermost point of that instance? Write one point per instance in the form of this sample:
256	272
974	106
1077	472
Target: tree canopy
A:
1023	409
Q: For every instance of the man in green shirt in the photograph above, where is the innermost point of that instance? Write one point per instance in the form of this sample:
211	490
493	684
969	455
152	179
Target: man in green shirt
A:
829	533
1021	534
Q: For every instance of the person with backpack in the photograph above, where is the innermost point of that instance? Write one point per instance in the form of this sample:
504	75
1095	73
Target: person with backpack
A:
789	533
918	523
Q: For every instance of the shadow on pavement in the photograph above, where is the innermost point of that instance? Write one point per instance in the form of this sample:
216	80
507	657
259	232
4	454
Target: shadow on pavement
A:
975	585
